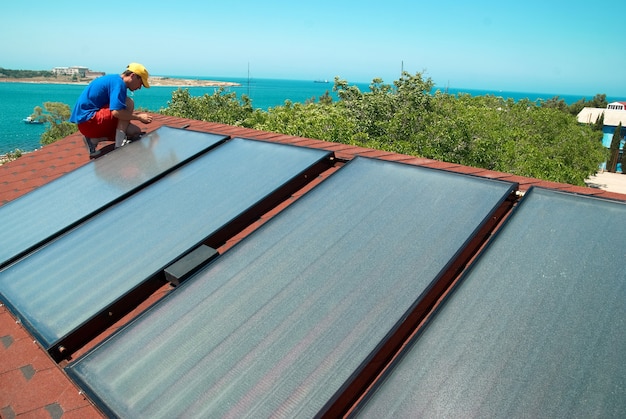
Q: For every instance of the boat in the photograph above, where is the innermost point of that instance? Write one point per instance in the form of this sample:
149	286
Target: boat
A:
320	81
31	120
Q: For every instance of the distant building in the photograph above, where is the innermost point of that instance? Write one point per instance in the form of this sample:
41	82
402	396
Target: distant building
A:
614	114
78	71
620	106
70	71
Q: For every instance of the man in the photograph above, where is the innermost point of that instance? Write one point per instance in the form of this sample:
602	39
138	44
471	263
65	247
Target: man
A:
104	111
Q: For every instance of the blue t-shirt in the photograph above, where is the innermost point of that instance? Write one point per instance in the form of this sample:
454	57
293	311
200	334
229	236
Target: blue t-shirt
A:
109	90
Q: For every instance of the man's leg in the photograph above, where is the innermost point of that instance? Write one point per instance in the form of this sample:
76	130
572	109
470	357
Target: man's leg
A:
126	130
100	127
122	126
91	146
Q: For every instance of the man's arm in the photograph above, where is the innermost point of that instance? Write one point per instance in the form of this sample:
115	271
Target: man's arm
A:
126	115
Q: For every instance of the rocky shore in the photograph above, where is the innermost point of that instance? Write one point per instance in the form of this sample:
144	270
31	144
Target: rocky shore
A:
154	81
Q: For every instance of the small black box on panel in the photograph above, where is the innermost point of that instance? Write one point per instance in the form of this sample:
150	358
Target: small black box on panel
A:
189	264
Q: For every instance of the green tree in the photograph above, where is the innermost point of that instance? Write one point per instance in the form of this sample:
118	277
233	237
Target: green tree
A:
57	116
326	99
599	124
388	117
24	74
312	120
555	102
598	101
468	130
219	107
524	138
10	156
611	164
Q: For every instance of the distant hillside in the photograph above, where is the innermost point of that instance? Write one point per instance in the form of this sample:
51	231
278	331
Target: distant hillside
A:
24	74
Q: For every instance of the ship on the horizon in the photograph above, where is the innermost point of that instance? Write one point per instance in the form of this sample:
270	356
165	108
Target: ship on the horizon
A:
320	81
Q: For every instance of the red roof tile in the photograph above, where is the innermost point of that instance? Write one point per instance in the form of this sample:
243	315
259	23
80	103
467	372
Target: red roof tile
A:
31	382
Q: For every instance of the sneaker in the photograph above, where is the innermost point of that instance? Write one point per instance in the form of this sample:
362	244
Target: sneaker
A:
91	147
120	139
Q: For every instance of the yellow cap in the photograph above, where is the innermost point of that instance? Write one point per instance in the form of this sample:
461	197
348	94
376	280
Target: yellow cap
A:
141	71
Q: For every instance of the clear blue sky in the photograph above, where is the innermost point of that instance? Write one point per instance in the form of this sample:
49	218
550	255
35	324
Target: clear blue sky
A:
540	46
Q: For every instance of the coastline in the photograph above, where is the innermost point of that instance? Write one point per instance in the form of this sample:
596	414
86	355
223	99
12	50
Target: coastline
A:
154	81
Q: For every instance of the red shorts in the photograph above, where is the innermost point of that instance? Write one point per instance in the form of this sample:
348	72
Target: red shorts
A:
102	124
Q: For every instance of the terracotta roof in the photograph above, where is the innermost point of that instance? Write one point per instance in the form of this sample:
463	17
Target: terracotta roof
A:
31	382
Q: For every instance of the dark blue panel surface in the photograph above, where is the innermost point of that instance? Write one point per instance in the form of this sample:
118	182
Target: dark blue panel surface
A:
536	329
279	323
60	286
53	208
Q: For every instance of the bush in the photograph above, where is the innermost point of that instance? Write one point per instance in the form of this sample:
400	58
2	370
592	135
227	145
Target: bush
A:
10	156
541	140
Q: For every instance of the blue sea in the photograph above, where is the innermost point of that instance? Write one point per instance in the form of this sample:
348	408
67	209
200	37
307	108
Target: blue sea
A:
17	101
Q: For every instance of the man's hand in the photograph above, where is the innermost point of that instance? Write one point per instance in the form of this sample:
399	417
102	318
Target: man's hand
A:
144	117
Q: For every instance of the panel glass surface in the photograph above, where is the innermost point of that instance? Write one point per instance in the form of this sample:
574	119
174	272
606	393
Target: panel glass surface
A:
60	204
279	323
62	284
536	329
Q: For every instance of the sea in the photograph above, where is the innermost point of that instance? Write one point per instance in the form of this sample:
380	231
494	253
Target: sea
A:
18	100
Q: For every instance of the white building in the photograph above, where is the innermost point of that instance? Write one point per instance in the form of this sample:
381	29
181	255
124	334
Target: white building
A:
70	71
614	114
620	106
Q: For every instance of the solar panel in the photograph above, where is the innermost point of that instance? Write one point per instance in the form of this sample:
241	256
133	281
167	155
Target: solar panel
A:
61	286
535	329
284	320
59	205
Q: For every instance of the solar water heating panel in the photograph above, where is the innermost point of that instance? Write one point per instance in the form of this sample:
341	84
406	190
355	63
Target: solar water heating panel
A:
535	328
282	322
57	206
62	286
